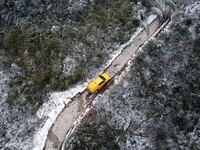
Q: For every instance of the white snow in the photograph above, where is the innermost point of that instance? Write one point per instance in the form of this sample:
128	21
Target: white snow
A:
3	86
6	77
192	9
55	28
151	18
69	65
57	100
50	111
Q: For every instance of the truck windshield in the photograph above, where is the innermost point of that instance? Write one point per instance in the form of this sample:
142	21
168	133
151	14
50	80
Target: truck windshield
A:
102	77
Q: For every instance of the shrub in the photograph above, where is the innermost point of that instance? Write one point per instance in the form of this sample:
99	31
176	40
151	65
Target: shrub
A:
121	37
41	76
152	49
194	146
147	4
72	79
30	99
33	41
182	123
1	40
14	40
160	139
13	96
55	84
196	47
188	22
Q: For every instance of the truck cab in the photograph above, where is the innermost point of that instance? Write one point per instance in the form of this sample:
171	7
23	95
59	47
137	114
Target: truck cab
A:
98	83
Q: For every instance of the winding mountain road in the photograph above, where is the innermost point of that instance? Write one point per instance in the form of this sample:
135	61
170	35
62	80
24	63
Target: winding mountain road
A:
65	120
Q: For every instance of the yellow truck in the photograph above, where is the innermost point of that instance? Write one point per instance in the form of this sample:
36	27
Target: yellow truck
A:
98	83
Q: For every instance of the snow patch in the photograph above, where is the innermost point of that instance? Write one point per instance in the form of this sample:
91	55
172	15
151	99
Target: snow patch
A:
55	29
50	110
151	18
69	65
5	78
193	9
3	86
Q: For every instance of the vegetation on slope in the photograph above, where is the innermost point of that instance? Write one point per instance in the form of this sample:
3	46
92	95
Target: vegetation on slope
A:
51	45
39	44
156	104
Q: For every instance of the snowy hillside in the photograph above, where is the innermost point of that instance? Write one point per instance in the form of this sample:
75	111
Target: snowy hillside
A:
155	103
50	47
